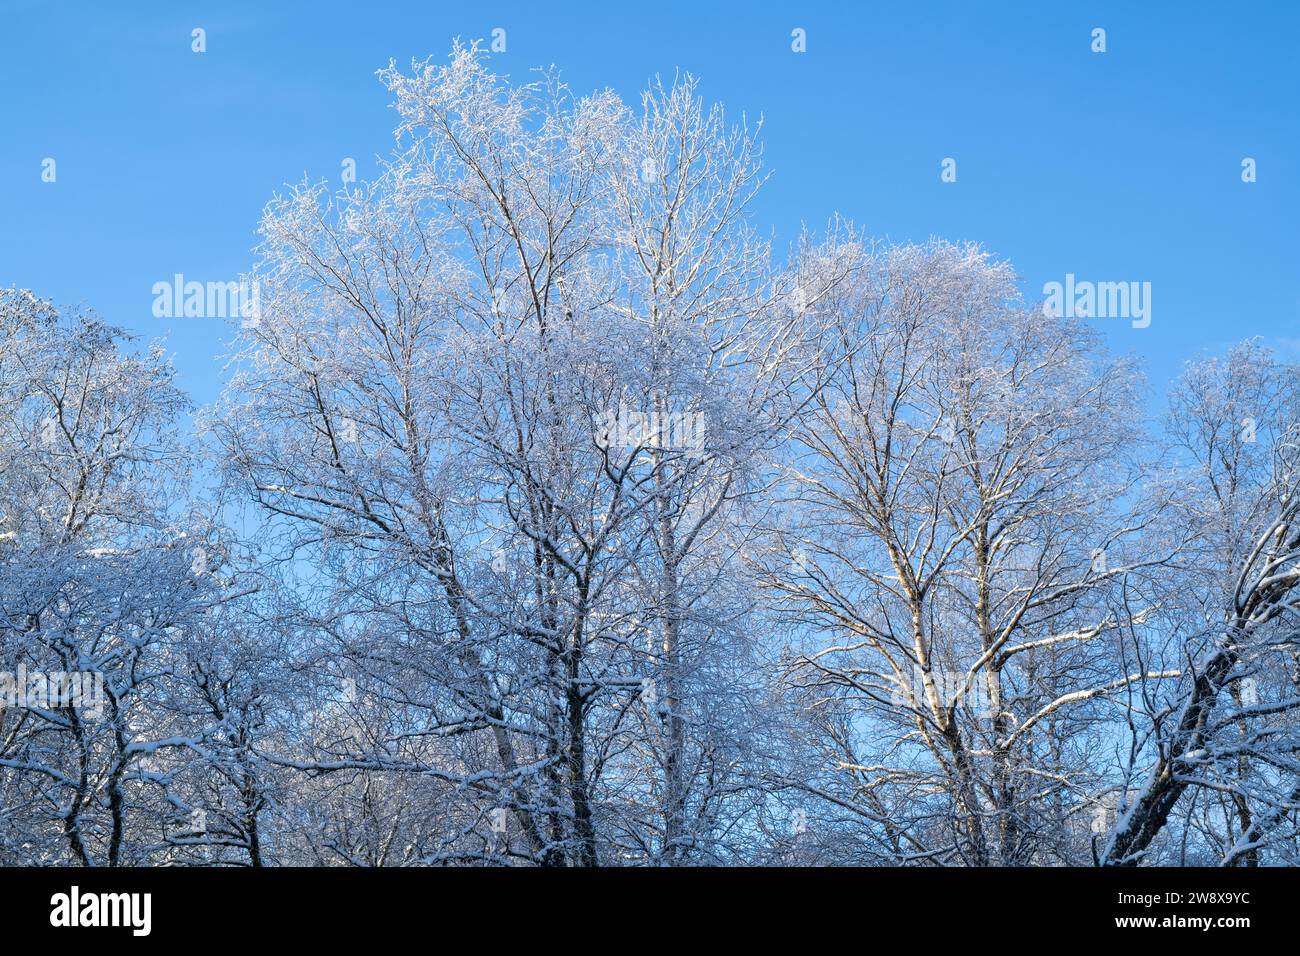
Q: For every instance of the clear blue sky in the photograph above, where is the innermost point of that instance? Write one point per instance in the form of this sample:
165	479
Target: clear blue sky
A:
1117	166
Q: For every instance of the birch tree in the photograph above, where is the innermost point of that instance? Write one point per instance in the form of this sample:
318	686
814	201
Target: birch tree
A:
953	488
521	387
98	579
1225	731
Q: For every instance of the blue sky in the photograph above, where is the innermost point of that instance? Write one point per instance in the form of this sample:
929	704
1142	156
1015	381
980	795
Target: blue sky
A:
1122	166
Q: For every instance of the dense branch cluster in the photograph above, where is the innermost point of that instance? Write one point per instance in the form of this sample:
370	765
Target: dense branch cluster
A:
545	519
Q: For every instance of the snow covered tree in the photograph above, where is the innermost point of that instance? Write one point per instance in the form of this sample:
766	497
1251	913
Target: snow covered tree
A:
957	530
576	530
515	396
1225	730
100	590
